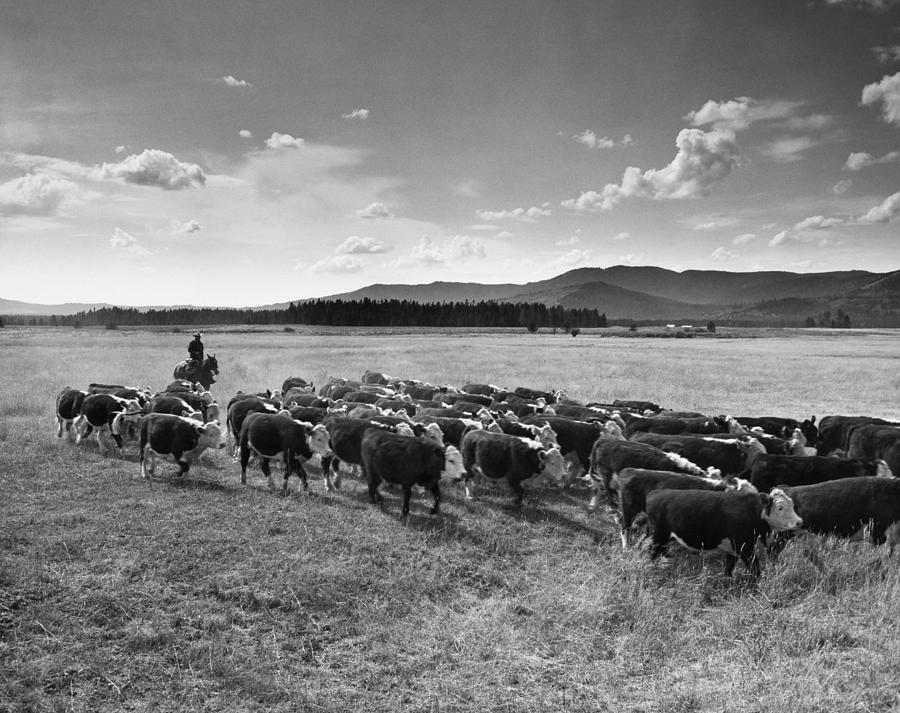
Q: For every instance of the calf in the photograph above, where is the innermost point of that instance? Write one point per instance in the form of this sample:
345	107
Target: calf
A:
272	436
766	471
726	456
575	438
105	412
172	404
843	507
238	410
407	461
731	522
68	408
184	439
634	484
499	455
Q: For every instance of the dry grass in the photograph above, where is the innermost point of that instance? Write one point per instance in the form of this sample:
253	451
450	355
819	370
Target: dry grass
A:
119	595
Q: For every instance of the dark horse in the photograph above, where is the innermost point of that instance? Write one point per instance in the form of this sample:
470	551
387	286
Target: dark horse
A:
204	375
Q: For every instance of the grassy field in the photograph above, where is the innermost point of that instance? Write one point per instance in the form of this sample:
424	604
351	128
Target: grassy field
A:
116	594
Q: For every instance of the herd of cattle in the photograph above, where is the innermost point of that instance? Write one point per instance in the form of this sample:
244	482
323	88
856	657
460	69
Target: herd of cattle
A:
717	482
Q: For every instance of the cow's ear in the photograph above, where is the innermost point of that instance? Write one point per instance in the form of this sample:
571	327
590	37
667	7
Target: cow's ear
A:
812	421
542	455
766	500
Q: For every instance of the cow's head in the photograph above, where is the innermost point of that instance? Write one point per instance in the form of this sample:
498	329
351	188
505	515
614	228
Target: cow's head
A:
778	511
546	436
453	463
318	440
434	433
210	435
735	427
212	412
553	466
404	429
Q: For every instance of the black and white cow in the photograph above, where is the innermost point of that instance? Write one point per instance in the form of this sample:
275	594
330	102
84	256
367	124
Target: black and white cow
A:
407	461
835	431
575	438
664	424
501	456
633	485
175	405
184	439
731	522
68	408
105	412
727	456
274	435
843	507
767	471
239	408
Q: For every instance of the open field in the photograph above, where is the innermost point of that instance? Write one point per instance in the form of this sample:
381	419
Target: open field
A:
120	595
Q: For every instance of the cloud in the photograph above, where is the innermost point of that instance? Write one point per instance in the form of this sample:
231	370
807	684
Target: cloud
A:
36	194
230	81
861	160
722	253
526	215
632	258
337	264
622	236
818	222
873	5
126	242
573	240
789	148
739	113
574	257
119	149
743	239
357	114
457	249
189	226
375	211
589	139
885	212
887	91
468	189
283	141
813	122
841	187
703	159
153	168
355	245
886	55
779	238
245	134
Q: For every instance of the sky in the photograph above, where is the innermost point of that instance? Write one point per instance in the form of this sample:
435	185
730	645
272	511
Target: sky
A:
239	153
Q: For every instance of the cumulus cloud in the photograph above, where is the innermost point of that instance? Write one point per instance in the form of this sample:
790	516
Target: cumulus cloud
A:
375	211
468	189
722	253
527	215
779	238
841	187
355	245
574	257
818	222
743	239
622	236
230	81
245	134
119	149
887	55
874	5
337	264
504	235
36	194
283	141
592	141
632	258
739	113
153	168
703	159
356	114
457	249
189	226
126	242
861	160
887	92
885	212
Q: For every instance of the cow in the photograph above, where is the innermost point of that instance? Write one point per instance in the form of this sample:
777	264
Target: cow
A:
273	435
581	413
782	427
68	408
184	439
575	438
375	377
480	389
634	484
731	522
499	455
727	456
407	461
451	399
766	471
310	414
453	429
345	442
298	396
397	405
872	441
361	397
640	406
537	432
238	410
834	431
609	457
425	392
172	404
663	424
296	382
843	507
105	412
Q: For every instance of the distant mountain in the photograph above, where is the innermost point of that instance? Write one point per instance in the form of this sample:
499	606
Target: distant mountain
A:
16	307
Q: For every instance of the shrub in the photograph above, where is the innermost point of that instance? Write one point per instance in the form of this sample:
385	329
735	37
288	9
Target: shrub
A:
111	325
289	329
575	331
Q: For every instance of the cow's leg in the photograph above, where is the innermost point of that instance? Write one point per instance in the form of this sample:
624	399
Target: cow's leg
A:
661	537
407	494
184	464
374	482
595	496
878	533
144	463
59	426
468	484
518	492
288	462
100	441
436	491
245	456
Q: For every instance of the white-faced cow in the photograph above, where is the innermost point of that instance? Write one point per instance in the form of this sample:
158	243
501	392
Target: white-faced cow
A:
105	412
731	522
184	439
275	436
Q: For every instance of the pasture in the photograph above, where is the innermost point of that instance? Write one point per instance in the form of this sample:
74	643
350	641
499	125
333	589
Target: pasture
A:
117	594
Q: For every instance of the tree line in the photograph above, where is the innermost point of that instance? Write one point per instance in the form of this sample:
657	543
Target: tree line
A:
338	313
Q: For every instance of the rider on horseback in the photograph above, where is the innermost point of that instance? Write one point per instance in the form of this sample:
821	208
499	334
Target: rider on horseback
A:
195	351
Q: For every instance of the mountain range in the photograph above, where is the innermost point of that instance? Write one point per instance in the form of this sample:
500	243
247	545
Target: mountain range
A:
645	293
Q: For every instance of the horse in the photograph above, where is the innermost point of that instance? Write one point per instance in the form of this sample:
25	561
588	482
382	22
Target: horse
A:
188	370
